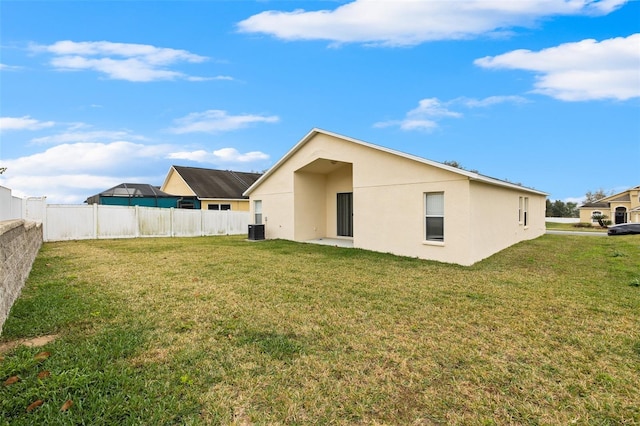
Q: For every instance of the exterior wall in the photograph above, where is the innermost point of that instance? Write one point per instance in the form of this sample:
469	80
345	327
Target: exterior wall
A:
236	205
299	203
496	222
310	205
176	185
586	213
19	245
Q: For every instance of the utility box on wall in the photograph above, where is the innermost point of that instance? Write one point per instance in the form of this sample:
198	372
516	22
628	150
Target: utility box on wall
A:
256	232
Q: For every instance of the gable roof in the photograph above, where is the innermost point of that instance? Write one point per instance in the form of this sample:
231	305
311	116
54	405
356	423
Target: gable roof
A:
132	190
211	183
471	175
624	196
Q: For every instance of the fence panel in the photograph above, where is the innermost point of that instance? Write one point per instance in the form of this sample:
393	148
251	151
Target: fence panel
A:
187	223
154	222
35	209
116	222
214	222
5	204
238	223
69	222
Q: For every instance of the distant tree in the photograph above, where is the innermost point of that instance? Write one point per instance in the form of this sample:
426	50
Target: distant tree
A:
559	208
454	163
593	196
2	170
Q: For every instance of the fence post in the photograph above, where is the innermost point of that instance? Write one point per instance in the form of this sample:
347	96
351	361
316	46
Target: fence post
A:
137	210
171	222
95	221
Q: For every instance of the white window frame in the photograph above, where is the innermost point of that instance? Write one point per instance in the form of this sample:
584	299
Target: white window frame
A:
593	213
219	207
520	204
523	211
430	213
257	212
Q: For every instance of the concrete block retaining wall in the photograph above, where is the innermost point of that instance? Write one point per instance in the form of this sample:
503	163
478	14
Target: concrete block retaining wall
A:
19	244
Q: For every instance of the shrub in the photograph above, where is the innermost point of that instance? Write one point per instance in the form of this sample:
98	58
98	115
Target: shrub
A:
582	225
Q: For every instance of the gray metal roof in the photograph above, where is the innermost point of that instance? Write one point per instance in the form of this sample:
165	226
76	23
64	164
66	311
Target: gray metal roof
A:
134	190
211	183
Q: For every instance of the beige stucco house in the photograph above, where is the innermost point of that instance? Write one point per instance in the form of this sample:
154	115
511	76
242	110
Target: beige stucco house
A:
622	207
209	189
332	186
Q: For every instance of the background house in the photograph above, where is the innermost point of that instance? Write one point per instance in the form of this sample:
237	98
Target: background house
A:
332	186
134	194
209	189
622	207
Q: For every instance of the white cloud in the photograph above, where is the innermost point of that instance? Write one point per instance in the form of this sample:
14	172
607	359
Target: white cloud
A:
490	101
580	71
212	121
122	61
224	155
425	117
5	67
23	123
88	136
430	111
402	23
69	173
85	157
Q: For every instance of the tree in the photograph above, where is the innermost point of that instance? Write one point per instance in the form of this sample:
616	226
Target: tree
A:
2	170
454	163
592	197
559	208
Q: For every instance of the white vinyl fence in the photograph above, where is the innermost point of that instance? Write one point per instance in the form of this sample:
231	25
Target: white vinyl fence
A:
562	219
76	222
10	207
62	222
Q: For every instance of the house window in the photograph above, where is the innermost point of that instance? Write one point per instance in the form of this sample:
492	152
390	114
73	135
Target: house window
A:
219	206
520	202
523	211
434	216
257	212
595	215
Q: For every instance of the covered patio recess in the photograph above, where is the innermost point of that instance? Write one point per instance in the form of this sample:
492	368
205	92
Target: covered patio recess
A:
323	202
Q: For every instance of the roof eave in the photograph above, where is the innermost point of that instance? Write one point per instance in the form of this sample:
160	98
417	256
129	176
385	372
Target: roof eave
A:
315	131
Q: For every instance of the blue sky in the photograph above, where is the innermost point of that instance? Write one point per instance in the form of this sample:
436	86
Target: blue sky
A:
93	94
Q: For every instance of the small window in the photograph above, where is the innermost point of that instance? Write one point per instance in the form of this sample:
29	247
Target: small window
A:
520	203
434	216
526	211
225	206
595	215
257	212
214	207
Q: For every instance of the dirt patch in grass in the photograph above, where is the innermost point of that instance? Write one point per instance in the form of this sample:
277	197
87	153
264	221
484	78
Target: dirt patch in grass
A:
33	342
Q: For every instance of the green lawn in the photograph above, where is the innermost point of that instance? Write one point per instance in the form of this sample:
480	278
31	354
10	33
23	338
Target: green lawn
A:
573	227
218	330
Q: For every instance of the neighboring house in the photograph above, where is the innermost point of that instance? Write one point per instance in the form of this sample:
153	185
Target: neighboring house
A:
622	207
209	189
134	194
332	186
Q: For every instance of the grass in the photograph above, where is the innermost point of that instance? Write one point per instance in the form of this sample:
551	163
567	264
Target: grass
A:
223	331
572	227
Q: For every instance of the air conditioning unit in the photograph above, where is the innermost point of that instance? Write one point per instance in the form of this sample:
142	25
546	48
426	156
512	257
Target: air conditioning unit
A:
256	232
